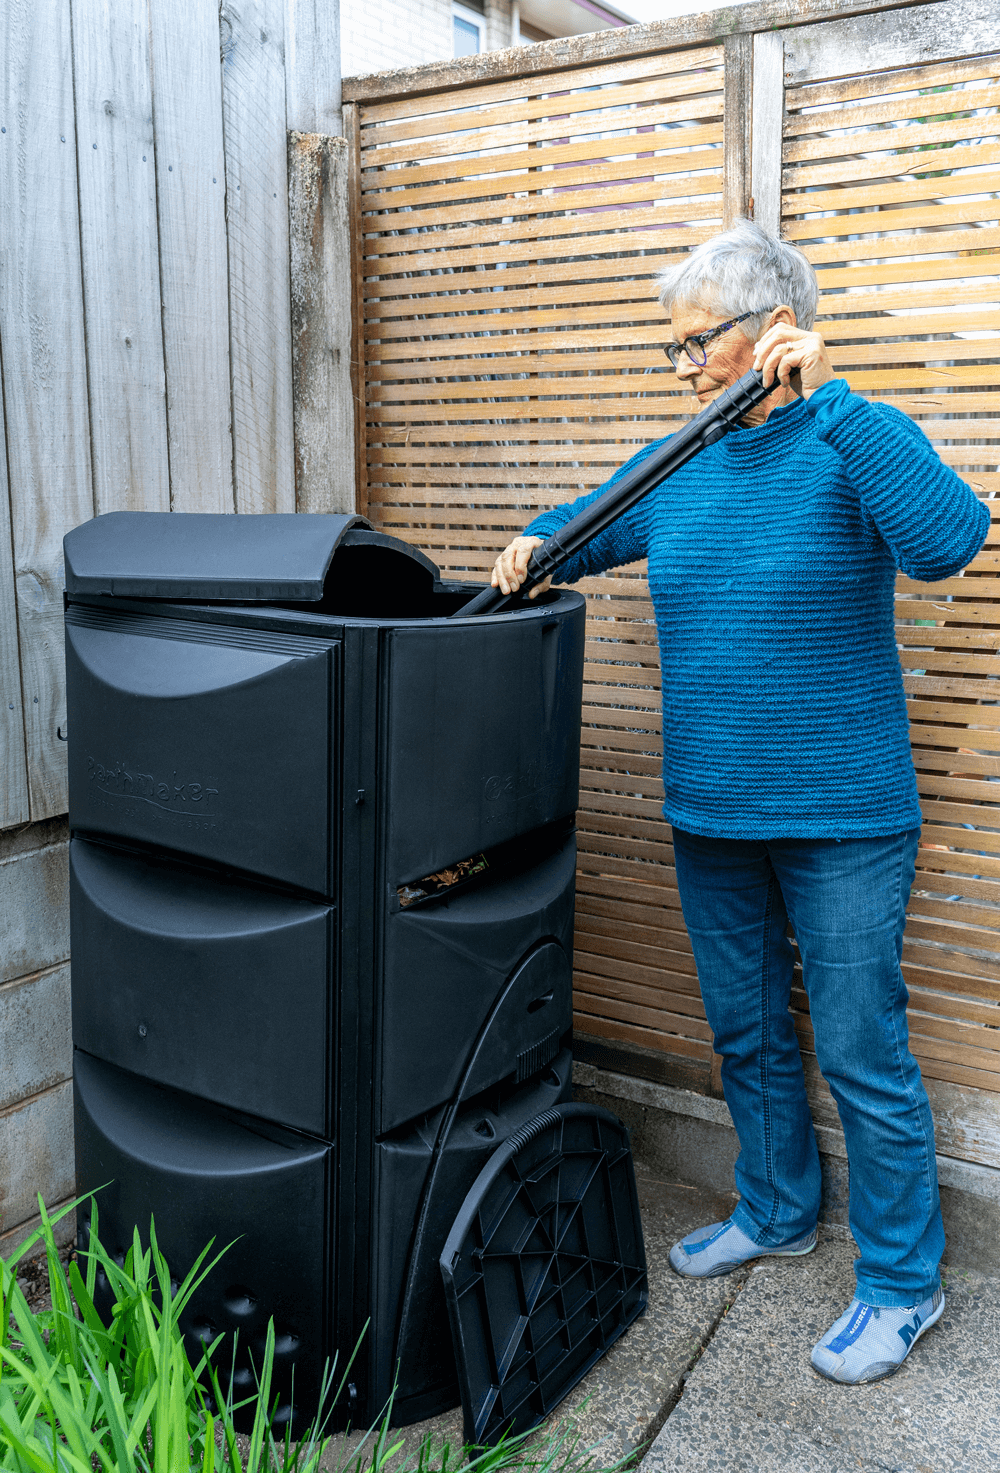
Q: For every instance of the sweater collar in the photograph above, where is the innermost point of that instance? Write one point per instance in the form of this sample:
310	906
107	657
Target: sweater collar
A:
788	419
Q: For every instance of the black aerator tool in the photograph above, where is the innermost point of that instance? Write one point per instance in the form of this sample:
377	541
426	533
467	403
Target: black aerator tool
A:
716	420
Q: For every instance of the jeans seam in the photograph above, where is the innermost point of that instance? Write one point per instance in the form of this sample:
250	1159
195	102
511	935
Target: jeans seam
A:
765	1035
899	1062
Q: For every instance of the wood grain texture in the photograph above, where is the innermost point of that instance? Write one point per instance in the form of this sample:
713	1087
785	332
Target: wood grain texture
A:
191	211
738	129
14	807
312	67
505	102
121	277
844	47
45	392
601	47
517	124
359	377
253	109
883	83
321	323
768	116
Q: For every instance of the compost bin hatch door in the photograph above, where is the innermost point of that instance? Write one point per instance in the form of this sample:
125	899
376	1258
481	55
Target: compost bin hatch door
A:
544	1267
205	556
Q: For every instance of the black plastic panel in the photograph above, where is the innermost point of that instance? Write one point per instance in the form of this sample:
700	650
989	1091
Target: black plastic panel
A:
205	1174
544	1267
150	554
425	1190
224	990
445	967
188	738
484	733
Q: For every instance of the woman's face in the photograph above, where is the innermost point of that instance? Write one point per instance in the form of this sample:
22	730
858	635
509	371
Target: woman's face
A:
730	356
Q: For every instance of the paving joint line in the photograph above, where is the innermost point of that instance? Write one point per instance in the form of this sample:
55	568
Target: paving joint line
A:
659	1420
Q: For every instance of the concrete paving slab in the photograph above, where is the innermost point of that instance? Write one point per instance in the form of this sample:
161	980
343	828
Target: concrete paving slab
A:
753	1402
621	1404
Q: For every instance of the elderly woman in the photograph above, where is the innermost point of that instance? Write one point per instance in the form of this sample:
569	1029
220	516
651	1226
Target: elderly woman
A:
787	771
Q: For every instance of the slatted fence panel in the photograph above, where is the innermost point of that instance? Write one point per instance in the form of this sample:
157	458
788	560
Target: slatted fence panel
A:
891	184
513	359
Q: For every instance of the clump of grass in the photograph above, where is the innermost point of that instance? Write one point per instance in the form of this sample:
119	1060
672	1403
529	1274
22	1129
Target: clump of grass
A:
79	1396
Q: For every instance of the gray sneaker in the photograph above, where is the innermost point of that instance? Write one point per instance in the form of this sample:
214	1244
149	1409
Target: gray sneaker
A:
722	1247
868	1344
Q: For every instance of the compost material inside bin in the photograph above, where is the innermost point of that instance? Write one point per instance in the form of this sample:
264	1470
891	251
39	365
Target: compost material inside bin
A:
444	879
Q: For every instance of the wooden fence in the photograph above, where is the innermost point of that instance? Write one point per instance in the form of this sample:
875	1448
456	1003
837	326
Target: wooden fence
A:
174	295
511	213
151	316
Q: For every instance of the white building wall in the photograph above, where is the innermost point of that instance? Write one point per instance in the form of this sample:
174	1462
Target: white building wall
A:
393	33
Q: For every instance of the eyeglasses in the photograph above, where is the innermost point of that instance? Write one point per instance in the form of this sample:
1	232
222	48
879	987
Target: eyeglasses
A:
694	346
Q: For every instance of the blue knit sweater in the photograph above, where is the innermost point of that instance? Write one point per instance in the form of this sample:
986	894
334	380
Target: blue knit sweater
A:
772	560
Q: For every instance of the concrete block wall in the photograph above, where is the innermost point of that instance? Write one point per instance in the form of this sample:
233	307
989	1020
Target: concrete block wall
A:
36	1053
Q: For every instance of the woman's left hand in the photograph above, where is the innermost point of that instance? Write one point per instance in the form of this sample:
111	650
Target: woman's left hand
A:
797	359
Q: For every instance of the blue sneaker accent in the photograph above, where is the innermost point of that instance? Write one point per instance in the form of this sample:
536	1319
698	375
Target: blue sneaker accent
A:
869	1343
852	1329
722	1247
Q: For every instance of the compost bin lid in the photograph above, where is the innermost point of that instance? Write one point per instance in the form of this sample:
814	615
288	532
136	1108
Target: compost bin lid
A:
208	556
544	1267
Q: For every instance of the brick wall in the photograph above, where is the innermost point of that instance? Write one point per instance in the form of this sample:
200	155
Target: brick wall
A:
393	33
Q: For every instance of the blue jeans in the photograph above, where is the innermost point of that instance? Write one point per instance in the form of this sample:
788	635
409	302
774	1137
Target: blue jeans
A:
846	900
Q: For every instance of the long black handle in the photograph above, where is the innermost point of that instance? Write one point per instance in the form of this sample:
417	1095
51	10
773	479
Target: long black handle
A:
714	421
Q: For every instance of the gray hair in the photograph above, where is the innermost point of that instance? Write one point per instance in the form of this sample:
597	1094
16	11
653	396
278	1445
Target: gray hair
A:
743	270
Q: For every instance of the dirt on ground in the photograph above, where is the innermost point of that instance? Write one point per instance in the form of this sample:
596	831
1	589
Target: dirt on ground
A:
33	1279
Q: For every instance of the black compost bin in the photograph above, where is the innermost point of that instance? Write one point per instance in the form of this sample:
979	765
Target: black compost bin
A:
322	905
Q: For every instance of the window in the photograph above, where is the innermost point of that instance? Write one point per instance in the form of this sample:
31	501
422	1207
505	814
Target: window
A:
468	30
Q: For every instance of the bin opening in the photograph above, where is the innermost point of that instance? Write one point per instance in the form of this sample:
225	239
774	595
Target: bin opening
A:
373	576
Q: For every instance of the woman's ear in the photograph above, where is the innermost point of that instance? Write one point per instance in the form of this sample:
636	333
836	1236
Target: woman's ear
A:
784	314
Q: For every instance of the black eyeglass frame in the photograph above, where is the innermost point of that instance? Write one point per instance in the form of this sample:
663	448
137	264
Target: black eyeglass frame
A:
698	341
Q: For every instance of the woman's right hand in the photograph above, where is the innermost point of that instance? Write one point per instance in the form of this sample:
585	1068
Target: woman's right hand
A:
511	567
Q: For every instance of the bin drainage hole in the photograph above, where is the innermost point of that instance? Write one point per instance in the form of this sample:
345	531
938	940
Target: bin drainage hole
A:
540	1002
484	1128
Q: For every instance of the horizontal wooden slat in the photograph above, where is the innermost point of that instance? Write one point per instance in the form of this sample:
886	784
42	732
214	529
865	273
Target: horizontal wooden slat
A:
890	109
569	189
553	170
607	257
624	106
871	222
633	1032
508	349
867	196
851	165
387	119
883	84
895	140
937	241
398	259
546	145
